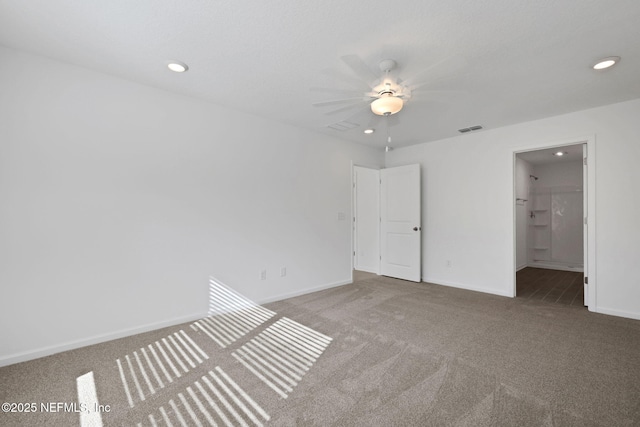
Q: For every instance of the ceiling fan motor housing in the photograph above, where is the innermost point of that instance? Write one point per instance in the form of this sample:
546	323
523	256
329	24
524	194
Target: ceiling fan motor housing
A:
387	65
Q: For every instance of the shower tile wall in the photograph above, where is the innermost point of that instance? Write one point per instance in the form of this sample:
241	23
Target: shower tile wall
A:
555	216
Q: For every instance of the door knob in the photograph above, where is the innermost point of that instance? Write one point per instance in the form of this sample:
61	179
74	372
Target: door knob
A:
415	228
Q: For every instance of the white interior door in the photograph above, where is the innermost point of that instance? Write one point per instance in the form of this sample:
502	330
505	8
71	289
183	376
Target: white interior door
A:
585	234
400	227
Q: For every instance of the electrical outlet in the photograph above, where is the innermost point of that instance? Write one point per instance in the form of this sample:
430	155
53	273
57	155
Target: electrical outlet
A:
263	275
283	271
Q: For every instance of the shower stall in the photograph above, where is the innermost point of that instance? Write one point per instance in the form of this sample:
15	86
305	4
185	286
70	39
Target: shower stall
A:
555	228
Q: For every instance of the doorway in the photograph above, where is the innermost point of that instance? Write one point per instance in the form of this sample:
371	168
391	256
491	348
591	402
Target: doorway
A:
551	187
366	219
387	233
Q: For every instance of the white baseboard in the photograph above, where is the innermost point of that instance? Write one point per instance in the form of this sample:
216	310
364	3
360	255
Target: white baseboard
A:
619	313
367	270
552	266
70	345
523	266
468	287
304	291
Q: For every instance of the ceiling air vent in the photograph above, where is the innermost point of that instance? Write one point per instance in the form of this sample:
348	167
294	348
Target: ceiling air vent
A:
343	126
469	129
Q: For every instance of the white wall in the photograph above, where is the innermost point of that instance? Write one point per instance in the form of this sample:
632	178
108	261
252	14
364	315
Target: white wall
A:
468	202
563	174
523	207
119	200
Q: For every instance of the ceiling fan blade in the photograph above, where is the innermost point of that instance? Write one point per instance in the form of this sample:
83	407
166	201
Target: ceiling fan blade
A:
357	84
438	71
348	107
393	120
385	123
360	69
454	92
336	91
338	101
423	94
440	97
383	127
374	122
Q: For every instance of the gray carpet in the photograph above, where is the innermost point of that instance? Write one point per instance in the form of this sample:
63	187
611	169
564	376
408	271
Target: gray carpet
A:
400	354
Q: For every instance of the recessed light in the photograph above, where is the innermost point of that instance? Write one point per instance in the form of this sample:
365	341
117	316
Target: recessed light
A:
177	66
559	153
369	131
606	62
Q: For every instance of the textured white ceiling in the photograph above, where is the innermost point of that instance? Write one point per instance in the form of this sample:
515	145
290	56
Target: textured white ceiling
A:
500	61
573	153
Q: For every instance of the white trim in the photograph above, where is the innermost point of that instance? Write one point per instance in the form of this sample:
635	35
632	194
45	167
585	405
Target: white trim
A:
552	266
71	345
591	223
619	313
352	230
96	339
468	287
305	291
522	267
367	270
514	219
354	214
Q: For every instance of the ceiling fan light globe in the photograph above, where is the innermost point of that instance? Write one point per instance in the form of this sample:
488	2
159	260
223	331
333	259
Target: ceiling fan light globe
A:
386	105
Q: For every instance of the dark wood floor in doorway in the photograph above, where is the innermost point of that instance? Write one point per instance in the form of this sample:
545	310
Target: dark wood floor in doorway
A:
554	286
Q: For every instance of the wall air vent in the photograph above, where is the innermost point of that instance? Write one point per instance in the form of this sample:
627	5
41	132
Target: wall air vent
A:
343	126
469	129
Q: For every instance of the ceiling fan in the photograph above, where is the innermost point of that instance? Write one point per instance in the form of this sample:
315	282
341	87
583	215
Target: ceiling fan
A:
383	92
385	96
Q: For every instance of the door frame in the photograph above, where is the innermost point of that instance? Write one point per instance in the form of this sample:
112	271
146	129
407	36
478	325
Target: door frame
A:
379	168
353	208
590	194
354	216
